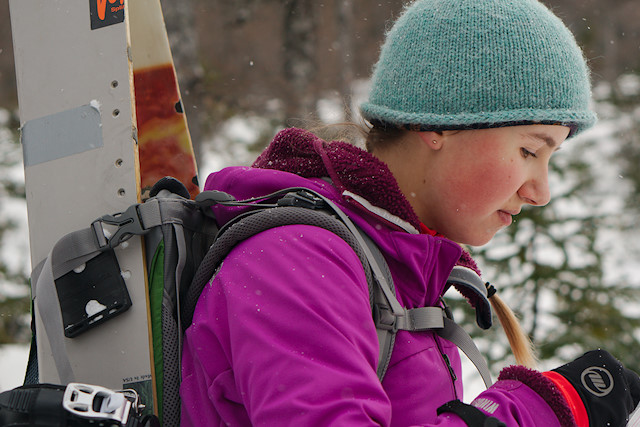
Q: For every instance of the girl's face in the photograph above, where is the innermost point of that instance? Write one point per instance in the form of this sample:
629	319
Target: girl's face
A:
477	180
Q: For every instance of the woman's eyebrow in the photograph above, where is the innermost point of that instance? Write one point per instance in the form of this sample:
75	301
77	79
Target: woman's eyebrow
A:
551	143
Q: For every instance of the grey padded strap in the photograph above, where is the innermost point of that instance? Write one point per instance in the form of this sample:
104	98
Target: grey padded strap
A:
386	336
475	290
417	319
181	262
465	276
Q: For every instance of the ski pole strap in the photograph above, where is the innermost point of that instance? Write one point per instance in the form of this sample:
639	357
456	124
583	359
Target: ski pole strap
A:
471	415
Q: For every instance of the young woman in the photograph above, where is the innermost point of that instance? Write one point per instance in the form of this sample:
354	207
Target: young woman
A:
469	101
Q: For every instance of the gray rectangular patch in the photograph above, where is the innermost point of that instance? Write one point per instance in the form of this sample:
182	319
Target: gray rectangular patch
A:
62	134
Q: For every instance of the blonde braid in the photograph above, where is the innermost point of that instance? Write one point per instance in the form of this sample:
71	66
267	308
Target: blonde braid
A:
520	343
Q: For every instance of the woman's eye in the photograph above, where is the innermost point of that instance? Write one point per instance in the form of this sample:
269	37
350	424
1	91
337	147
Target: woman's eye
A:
526	153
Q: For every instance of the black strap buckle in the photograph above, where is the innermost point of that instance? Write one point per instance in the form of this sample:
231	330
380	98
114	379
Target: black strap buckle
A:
384	318
124	225
303	199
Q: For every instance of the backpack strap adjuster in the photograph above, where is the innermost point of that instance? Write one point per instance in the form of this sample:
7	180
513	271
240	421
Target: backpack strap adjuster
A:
124	225
415	319
421	319
303	199
384	318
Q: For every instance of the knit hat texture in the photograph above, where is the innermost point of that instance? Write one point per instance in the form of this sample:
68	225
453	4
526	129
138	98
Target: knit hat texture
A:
460	64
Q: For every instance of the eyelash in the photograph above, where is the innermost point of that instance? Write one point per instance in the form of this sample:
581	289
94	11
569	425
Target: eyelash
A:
526	153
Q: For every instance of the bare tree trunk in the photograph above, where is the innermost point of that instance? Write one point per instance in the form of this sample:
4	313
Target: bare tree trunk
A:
180	22
345	41
299	48
609	48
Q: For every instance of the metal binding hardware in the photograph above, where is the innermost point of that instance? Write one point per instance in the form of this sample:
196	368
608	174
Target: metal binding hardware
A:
99	403
126	225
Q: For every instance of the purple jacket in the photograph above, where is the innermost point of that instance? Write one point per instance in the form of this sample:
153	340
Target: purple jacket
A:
283	334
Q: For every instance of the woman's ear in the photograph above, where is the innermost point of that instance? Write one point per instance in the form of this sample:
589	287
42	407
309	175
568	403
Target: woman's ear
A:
433	140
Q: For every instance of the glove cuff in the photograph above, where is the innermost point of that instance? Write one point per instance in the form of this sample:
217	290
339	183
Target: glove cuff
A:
571	396
546	388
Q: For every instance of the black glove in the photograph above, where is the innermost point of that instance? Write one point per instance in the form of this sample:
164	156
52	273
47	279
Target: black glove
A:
609	392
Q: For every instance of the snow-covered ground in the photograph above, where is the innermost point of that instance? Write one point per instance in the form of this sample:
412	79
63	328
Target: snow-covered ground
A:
14	251
13	360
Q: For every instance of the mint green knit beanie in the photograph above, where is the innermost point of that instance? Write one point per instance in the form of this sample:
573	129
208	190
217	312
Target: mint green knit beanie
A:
464	64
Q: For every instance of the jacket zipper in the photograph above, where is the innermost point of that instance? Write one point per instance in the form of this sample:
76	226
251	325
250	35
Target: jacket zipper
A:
447	363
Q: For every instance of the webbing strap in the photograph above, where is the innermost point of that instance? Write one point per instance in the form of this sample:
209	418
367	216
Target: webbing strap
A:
49	310
386	336
421	319
73	250
434	318
78	247
454	333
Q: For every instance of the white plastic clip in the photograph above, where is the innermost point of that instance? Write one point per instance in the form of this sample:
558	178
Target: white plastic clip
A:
97	403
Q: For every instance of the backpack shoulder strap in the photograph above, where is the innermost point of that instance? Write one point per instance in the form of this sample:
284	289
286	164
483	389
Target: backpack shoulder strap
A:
389	315
417	319
295	209
381	309
249	225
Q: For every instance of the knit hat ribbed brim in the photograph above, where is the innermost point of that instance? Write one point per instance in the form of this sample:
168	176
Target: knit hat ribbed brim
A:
455	64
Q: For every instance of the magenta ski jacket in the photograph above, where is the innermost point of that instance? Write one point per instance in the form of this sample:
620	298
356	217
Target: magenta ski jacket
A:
283	333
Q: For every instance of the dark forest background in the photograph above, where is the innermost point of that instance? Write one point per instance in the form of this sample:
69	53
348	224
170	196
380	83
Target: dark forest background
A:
244	55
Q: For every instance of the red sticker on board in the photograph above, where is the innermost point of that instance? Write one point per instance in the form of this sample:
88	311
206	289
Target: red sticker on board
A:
106	12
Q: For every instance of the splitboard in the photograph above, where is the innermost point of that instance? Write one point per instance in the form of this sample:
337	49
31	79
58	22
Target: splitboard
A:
163	137
75	65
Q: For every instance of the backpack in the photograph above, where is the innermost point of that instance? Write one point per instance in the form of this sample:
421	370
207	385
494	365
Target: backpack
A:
184	248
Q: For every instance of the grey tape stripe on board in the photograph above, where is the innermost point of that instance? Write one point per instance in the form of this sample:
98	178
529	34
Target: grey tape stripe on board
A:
61	135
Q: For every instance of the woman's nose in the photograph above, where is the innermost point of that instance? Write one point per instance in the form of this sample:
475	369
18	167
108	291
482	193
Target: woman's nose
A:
535	191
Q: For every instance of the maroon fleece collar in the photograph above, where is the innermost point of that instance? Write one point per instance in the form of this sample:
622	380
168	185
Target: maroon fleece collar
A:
349	167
